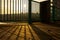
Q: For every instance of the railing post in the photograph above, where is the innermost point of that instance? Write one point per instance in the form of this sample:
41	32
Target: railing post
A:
29	20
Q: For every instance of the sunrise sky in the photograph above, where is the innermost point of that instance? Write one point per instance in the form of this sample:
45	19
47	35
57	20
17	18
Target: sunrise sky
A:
23	6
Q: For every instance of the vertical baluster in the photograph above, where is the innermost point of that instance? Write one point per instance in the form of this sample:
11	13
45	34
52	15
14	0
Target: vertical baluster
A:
7	10
4	11
18	9
13	12
0	9
15	8
10	10
22	10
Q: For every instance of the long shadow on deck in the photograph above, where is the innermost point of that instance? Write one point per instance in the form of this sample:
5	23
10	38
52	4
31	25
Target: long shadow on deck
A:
42	35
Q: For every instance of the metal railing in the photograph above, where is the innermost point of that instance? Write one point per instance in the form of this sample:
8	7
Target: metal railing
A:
12	10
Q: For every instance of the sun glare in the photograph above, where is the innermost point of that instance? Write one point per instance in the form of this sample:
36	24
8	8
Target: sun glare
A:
24	5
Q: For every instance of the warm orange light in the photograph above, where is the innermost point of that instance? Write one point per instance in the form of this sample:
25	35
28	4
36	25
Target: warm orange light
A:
40	0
